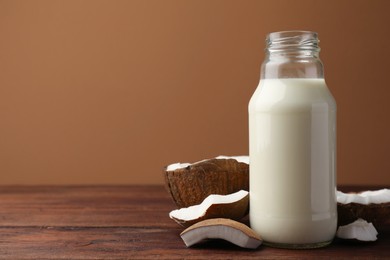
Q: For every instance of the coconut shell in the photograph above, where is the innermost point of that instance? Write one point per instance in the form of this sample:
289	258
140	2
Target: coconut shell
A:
191	185
378	214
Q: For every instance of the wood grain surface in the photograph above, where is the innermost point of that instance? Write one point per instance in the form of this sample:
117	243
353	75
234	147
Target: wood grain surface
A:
125	222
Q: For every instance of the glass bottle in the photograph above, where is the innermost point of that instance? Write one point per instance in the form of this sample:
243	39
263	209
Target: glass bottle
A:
292	146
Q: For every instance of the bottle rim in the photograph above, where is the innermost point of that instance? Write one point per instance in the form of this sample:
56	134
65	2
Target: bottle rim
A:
294	40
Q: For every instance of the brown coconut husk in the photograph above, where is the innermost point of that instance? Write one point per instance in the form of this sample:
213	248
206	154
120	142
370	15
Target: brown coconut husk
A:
378	214
191	185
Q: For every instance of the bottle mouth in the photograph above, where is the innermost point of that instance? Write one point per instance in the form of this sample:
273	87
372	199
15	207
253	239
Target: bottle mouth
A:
293	41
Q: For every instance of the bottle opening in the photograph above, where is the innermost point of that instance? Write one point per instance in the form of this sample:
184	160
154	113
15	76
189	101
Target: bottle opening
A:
292	40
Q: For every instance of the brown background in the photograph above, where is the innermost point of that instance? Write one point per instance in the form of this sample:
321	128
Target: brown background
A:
109	92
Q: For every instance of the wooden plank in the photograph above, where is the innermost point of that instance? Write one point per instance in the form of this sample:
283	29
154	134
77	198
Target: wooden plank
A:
85	206
124	222
125	242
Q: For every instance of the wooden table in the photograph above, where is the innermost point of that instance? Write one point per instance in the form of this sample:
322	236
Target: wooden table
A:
116	222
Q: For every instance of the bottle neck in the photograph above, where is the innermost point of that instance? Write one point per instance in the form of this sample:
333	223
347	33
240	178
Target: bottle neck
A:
292	54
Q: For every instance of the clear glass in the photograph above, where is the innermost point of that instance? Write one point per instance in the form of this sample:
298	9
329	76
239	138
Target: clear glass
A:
292	146
292	54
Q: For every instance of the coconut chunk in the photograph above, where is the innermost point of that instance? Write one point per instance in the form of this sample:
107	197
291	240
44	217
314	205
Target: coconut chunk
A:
360	230
221	228
366	197
373	206
234	206
190	183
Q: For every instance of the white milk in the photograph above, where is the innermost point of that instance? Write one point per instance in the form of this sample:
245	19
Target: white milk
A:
292	132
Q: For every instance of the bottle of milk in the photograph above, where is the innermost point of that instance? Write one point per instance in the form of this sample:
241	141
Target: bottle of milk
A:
292	146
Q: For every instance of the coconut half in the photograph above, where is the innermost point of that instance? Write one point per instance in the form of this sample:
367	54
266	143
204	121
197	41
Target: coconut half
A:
359	230
232	206
190	183
373	206
221	228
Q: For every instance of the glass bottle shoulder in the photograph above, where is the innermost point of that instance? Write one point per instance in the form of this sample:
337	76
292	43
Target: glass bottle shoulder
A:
291	94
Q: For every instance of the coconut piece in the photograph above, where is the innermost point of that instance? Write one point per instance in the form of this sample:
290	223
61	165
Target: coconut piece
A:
373	206
190	183
233	206
359	230
221	228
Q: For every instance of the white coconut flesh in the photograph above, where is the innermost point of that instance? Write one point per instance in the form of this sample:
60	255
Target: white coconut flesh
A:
240	158
226	229
197	211
360	230
366	197
176	166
